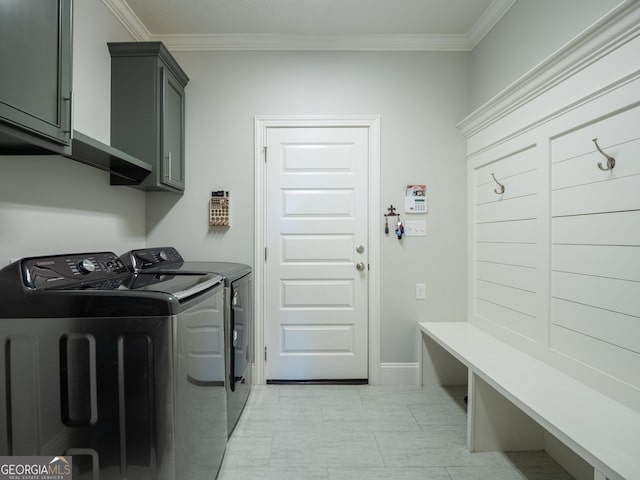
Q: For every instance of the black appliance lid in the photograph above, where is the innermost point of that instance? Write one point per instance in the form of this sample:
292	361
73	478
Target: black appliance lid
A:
94	284
181	285
169	260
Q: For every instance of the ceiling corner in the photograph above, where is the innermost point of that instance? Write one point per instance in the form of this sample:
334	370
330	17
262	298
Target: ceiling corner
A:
488	20
126	16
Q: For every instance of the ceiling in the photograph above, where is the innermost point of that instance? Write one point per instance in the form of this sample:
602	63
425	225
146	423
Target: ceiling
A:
311	24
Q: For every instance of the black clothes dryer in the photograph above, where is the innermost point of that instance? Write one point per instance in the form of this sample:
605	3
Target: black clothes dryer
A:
239	318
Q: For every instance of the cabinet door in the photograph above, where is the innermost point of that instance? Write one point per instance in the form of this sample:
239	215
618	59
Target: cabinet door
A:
172	168
35	51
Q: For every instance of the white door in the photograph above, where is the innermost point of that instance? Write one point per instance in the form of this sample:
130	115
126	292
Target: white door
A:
316	263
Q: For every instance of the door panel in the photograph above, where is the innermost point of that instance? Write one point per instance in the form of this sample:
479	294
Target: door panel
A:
317	339
316	217
317	294
318	248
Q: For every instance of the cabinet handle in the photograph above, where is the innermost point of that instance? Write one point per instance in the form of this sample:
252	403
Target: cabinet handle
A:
69	114
611	162
167	173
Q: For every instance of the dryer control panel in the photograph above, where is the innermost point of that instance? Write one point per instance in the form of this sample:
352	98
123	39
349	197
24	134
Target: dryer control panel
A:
144	258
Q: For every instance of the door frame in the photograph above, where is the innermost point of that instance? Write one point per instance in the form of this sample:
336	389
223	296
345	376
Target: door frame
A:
372	123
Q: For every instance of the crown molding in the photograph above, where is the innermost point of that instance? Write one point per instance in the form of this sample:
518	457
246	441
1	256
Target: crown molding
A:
611	31
238	42
488	20
127	17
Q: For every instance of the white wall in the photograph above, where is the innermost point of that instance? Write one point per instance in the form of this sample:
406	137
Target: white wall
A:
55	205
420	97
526	35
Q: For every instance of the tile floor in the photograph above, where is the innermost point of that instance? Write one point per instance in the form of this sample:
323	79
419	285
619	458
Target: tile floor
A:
299	432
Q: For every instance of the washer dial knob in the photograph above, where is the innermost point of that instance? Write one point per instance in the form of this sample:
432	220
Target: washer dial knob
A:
87	266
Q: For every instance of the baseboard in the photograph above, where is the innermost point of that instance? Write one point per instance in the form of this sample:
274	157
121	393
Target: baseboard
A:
399	374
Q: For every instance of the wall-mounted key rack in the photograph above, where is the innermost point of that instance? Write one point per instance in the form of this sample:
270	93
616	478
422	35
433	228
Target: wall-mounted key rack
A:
399	227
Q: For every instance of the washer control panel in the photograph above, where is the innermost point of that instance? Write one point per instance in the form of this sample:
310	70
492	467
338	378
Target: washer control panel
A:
61	271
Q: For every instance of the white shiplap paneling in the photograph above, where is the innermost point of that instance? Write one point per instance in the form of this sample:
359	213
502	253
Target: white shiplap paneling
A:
517	231
609	130
620	296
595	255
598	229
579	230
598	260
517	322
600	355
611	327
519	254
506	247
514	163
508	210
608	196
520	185
584	169
523	278
513	298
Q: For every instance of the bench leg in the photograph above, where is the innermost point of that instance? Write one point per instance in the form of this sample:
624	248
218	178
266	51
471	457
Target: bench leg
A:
496	424
439	367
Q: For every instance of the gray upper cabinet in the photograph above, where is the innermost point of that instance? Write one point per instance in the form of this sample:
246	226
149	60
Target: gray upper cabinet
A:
147	111
35	83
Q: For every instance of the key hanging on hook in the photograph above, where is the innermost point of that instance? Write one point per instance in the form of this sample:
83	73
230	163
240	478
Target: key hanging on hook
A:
386	225
399	229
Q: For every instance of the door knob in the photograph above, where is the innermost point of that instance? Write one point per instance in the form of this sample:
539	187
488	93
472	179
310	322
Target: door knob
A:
360	266
360	249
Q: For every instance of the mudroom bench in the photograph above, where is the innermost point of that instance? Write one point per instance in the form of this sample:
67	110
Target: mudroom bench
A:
516	400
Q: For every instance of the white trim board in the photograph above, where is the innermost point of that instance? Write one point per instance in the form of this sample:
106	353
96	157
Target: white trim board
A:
400	374
372	122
